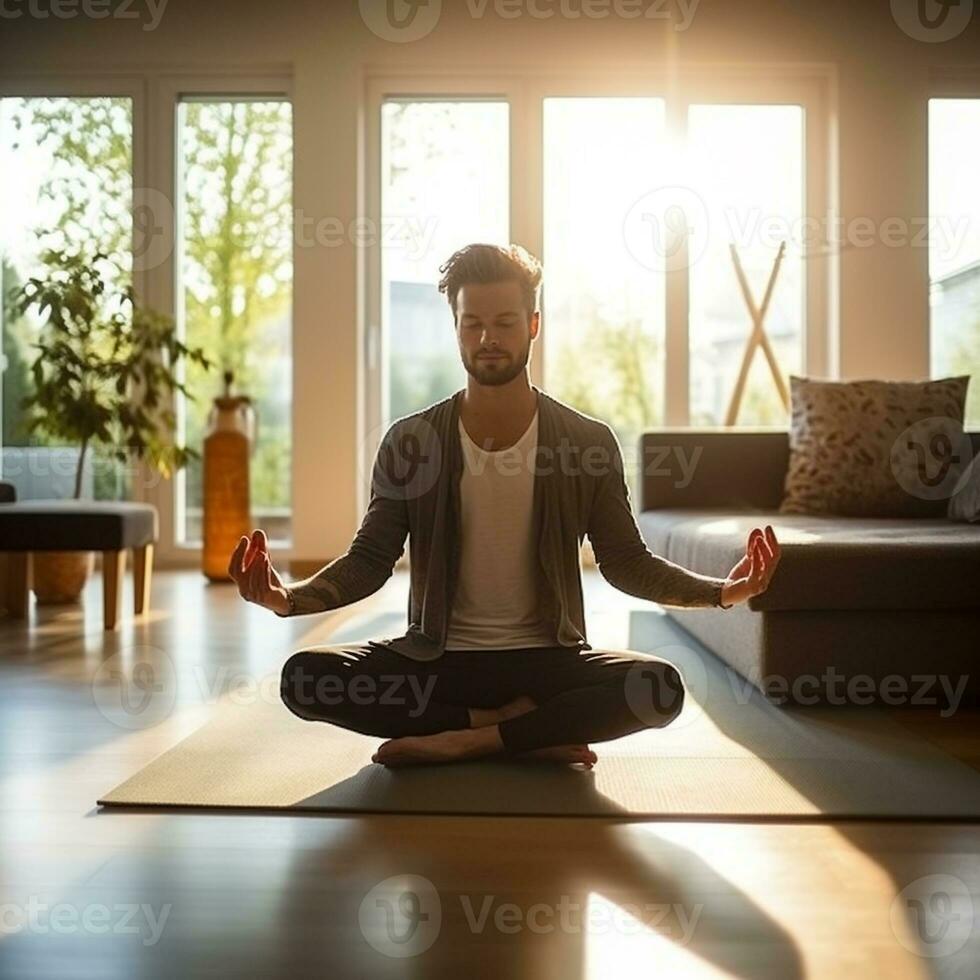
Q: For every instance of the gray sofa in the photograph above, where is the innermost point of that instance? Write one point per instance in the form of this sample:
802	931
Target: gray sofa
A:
860	611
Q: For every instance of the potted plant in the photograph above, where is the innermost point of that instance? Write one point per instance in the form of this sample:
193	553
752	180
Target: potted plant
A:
105	365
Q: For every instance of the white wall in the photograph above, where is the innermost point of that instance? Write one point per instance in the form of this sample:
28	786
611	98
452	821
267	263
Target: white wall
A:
883	79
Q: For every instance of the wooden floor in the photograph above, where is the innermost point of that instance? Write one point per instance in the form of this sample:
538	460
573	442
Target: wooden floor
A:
90	893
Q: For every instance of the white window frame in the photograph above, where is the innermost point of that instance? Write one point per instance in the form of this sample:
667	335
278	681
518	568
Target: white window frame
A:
818	355
167	90
109	84
370	326
155	96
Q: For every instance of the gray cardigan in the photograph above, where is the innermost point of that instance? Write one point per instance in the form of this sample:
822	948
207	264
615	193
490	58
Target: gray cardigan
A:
579	489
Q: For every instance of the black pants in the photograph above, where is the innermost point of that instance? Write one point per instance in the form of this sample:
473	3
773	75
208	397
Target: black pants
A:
581	696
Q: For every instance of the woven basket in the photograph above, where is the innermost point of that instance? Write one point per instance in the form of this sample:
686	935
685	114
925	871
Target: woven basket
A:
59	576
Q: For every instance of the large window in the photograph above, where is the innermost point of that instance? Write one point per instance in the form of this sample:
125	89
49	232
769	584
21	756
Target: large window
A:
745	165
604	309
65	183
649	207
954	245
444	185
235	234
617	190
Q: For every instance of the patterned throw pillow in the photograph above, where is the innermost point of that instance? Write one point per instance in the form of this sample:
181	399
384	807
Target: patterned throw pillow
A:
874	448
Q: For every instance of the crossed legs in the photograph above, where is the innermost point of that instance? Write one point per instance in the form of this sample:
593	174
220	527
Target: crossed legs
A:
545	703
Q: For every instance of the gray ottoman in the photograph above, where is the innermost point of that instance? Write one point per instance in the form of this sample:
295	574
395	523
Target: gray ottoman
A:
79	525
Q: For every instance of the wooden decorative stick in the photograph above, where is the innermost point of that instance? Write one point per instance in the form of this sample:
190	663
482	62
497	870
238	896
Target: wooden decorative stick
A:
757	336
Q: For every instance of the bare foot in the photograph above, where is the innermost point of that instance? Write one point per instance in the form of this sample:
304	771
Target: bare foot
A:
481	717
573	754
451	746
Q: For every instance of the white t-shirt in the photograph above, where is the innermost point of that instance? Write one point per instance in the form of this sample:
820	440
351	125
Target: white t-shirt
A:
496	600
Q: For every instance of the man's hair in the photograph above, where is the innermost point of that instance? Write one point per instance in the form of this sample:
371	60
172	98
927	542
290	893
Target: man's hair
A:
491	263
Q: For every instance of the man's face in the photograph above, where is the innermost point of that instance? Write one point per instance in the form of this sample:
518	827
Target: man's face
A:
491	319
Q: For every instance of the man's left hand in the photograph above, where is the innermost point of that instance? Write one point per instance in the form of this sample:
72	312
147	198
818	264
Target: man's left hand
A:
753	572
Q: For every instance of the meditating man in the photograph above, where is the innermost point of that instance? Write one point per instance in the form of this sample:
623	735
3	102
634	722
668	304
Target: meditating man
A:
495	487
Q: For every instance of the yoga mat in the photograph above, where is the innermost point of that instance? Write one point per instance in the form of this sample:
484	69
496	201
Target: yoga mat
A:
730	754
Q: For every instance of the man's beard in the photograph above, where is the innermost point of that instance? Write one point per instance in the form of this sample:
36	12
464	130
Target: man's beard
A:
497	372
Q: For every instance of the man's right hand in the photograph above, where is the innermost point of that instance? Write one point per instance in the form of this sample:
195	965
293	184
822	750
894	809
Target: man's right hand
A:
258	582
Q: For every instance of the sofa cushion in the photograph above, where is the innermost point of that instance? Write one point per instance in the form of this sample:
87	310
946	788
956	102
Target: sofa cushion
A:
832	562
875	448
964	505
76	525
